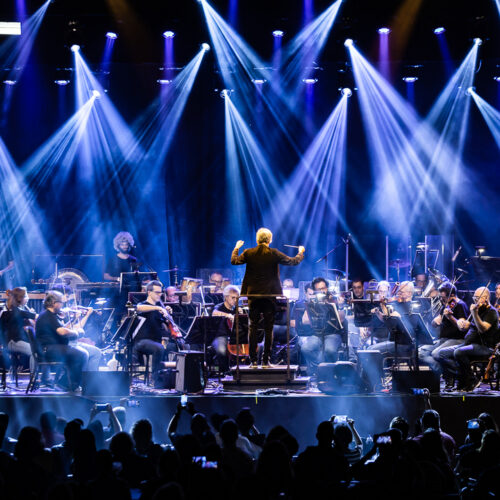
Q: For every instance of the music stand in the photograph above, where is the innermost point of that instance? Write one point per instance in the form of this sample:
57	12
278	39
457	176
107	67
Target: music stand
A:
132	282
126	333
398	331
421	334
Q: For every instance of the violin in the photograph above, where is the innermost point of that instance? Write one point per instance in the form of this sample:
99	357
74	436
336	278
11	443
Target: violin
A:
491	361
169	322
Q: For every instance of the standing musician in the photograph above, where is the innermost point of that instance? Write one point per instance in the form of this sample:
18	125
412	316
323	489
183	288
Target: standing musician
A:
158	324
452	310
262	277
123	261
399	308
480	340
54	336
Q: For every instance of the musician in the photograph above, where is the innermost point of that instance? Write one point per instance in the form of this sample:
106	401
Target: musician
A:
123	261
76	317
452	309
399	308
262	277
16	319
479	342
497	297
287	284
312	347
300	321
53	336
170	295
149	338
217	280
226	309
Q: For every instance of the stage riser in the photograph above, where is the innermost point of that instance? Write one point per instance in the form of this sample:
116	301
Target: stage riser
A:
299	414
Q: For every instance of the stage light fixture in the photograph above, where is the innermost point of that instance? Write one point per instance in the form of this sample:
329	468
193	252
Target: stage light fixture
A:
9	82
225	93
75	48
162	81
496	78
347	92
96	94
61	83
168	34
310	81
478	41
278	33
259	81
384	31
470	90
410	79
205	47
349	42
111	35
439	31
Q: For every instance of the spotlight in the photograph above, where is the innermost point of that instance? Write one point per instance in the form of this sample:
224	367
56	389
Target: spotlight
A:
410	79
470	90
225	93
96	94
75	48
349	42
61	83
310	81
278	33
480	250
9	82
347	92
439	31
496	78
478	41
259	81
384	31
111	35
168	34
164	82
205	47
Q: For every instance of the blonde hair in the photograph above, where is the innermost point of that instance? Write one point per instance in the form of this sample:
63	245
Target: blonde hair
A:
264	235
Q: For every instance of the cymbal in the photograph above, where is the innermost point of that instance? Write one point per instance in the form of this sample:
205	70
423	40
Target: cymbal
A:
399	263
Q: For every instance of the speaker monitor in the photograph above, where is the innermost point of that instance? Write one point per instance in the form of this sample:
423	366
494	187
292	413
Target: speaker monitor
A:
189	377
403	380
339	378
106	383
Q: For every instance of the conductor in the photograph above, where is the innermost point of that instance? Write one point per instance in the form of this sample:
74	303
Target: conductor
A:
262	277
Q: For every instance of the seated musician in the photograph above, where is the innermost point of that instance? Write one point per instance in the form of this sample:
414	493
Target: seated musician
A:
330	330
216	279
399	308
170	295
287	284
497	297
307	341
361	319
53	337
479	342
226	309
16	319
76	318
158	325
452	309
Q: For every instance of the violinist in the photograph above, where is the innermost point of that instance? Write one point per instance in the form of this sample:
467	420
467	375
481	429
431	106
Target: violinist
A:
16	319
53	336
158	325
479	342
452	310
497	297
75	318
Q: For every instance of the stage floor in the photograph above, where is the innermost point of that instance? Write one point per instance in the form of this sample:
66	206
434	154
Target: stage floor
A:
298	411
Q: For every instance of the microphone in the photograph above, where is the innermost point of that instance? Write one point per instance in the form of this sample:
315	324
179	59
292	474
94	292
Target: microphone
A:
454	258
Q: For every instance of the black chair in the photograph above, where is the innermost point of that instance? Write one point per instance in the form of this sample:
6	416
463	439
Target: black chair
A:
40	361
